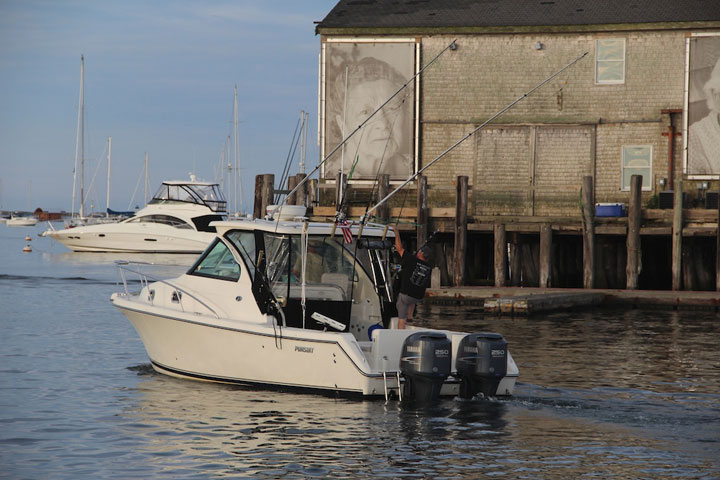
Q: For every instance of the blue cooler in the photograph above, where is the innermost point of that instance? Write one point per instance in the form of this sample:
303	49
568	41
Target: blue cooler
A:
610	210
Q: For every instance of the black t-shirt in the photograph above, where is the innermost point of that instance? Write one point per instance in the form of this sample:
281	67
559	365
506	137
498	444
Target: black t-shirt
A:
415	276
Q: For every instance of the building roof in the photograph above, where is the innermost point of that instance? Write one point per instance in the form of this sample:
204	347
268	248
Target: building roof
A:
450	15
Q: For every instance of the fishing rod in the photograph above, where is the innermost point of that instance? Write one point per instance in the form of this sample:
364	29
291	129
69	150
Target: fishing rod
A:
451	46
448	150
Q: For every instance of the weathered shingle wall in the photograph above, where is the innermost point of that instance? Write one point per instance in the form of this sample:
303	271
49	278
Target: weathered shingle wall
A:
487	72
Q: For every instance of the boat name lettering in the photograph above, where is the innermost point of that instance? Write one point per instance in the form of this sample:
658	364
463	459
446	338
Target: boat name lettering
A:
303	349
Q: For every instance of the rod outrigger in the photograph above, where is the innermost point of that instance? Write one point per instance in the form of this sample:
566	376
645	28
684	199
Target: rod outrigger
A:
345	140
368	213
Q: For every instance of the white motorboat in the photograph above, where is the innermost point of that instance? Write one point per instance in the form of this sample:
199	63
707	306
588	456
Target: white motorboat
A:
294	305
176	220
22	221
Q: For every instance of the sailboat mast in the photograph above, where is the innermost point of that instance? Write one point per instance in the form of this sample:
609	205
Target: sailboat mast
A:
77	139
229	169
107	208
146	178
236	177
82	136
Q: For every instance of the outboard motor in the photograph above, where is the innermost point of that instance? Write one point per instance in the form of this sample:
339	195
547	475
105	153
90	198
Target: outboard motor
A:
425	362
481	363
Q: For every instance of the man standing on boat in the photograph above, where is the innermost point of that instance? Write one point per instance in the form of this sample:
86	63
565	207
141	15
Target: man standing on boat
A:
414	279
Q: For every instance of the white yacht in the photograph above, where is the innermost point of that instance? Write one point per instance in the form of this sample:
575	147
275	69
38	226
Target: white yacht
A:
22	221
176	220
293	304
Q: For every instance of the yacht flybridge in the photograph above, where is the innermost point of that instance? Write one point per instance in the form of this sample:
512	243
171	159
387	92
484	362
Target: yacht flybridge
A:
176	220
302	305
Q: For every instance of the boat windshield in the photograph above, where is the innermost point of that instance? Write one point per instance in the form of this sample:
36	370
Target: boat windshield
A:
310	273
206	194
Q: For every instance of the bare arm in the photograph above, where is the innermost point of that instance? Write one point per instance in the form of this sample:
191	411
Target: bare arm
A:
398	242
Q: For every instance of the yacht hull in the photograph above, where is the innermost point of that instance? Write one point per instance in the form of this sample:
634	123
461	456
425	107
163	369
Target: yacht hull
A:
110	238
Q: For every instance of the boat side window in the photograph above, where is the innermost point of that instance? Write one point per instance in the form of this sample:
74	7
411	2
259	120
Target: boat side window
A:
217	262
245	242
163	219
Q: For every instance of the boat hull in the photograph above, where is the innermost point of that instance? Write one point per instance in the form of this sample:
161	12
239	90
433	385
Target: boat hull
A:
109	238
253	354
232	352
22	222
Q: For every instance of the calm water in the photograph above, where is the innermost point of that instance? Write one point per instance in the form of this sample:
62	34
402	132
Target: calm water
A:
603	394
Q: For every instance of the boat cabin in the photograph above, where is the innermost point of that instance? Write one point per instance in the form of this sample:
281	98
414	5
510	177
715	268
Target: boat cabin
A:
299	270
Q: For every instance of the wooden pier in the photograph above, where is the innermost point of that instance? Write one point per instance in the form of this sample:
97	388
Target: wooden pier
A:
671	249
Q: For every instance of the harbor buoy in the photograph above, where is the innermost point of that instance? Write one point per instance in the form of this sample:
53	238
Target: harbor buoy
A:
27	248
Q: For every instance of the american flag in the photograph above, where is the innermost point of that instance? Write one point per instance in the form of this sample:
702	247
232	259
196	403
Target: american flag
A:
345	228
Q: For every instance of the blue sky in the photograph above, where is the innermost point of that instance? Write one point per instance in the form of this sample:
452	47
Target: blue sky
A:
159	78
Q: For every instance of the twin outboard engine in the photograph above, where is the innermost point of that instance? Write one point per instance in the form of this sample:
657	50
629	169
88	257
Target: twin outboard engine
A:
481	363
425	362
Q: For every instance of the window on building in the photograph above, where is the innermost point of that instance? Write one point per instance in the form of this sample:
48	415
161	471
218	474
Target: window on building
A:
637	160
610	61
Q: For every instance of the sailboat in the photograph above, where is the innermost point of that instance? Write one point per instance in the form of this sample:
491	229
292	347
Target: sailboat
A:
23	220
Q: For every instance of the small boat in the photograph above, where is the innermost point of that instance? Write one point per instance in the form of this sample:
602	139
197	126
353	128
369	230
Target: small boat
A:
303	306
176	220
27	249
22	221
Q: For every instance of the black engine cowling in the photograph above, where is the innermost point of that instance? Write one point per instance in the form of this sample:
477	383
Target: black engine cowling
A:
425	362
481	363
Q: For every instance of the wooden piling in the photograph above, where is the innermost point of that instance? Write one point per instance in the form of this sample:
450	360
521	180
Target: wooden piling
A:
291	183
422	210
312	193
545	255
461	201
257	204
717	248
301	194
677	237
515	260
634	256
268	192
588	217
500	254
383	211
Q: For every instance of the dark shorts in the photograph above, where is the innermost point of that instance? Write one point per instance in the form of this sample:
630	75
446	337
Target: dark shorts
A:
404	302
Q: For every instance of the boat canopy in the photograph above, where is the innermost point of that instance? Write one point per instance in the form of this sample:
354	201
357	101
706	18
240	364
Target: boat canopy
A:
199	193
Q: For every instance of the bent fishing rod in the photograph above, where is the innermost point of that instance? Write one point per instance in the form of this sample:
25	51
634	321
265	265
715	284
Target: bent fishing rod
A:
345	140
451	148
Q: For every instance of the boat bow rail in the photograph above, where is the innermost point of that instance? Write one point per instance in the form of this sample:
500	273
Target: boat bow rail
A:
145	279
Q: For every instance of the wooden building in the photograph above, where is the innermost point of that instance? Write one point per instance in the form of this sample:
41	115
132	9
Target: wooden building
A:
626	108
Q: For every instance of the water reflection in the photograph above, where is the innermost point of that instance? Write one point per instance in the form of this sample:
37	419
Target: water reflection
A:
188	426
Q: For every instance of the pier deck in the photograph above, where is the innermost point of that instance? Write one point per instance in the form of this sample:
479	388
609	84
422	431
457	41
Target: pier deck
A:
528	300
